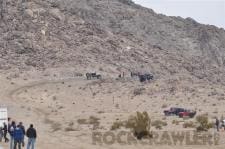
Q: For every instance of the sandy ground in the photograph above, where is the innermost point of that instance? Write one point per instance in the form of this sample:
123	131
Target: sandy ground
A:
56	104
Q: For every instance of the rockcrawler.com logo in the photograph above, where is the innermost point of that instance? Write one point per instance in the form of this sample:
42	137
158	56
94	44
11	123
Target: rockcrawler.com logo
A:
179	138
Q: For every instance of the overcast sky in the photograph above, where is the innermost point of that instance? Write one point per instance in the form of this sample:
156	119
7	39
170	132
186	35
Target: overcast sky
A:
203	11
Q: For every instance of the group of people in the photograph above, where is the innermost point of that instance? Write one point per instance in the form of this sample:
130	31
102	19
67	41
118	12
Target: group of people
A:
17	135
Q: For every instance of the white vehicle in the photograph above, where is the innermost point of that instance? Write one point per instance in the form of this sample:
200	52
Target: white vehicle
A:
3	116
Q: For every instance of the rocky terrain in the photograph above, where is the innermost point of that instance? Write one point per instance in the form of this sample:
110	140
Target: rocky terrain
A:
47	45
95	34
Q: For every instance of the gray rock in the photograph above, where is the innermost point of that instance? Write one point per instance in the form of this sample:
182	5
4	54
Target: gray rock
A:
28	13
57	14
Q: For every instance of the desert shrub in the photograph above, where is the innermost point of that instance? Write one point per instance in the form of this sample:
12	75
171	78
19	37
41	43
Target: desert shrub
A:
69	129
71	124
189	125
140	124
164	118
175	122
158	124
138	91
164	106
203	123
92	121
117	125
82	121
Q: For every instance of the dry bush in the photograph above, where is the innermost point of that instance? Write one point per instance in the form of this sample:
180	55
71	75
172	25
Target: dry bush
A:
82	121
117	125
164	118
70	129
94	120
100	112
175	122
189	125
164	106
91	121
140	124
203	123
71	124
138	91
158	124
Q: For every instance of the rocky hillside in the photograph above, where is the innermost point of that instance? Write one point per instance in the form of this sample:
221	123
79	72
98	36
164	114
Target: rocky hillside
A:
109	36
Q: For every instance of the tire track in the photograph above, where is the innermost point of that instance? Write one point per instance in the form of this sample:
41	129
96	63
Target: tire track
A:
37	84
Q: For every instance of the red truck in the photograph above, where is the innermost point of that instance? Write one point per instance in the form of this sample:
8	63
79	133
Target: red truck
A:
187	113
181	112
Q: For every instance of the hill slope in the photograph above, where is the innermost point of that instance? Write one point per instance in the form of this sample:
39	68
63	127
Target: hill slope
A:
111	36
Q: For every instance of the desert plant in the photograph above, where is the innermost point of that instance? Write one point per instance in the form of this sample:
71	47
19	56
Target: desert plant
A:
94	121
164	106
117	125
69	129
140	124
175	122
189	125
158	124
82	121
138	91
203	123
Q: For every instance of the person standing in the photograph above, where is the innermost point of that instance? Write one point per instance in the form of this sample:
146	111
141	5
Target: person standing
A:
5	131
32	135
1	134
11	129
23	130
217	124
18	137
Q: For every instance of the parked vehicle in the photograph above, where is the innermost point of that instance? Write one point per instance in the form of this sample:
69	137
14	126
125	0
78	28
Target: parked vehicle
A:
181	112
145	77
93	75
173	111
187	113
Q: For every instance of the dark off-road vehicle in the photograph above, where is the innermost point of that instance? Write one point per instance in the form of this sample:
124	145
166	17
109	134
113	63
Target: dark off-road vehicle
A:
93	75
173	111
145	77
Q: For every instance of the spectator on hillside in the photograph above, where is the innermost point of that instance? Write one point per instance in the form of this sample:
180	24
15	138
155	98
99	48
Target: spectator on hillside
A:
32	135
